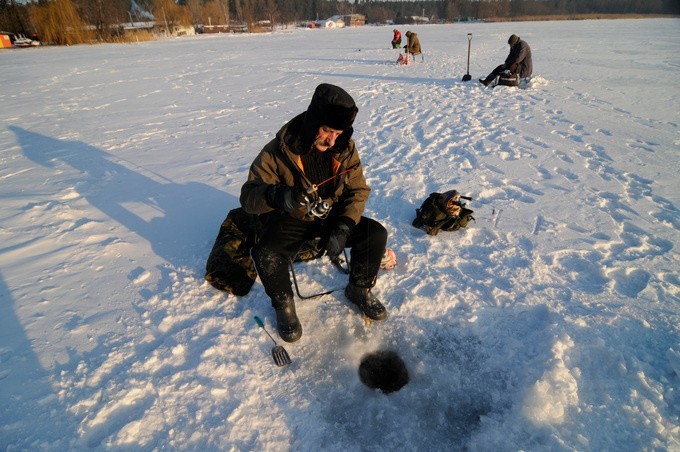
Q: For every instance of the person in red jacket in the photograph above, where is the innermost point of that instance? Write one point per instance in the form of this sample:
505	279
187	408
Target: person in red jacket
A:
396	40
518	61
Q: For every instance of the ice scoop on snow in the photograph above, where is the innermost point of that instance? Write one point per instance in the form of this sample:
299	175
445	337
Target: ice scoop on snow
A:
280	355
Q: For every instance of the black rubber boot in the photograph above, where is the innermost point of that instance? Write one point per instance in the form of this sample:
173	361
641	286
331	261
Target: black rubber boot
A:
287	322
366	301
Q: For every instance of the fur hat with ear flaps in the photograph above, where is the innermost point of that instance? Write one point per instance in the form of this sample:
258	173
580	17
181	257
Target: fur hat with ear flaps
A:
331	106
513	39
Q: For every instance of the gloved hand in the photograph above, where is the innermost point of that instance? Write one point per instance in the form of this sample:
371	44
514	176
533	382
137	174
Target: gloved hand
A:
282	197
338	237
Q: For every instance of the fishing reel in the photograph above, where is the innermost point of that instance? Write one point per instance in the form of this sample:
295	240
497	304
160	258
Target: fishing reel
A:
316	207
320	210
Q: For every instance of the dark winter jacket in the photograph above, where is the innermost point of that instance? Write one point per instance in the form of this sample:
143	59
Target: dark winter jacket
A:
413	45
280	162
519	59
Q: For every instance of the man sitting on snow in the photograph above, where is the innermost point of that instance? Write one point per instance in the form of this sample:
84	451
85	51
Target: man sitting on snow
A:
413	44
308	182
517	63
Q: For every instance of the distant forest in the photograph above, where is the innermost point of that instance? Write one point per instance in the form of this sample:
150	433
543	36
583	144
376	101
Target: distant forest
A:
75	21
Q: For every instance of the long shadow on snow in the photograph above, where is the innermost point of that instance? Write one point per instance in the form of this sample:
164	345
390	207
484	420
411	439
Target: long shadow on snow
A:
187	218
30	411
187	215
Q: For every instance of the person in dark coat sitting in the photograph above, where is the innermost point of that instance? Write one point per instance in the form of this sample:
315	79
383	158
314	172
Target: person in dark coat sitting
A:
518	61
413	44
308	182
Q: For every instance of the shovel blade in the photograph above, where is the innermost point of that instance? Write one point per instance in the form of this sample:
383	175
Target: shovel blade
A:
467	77
280	355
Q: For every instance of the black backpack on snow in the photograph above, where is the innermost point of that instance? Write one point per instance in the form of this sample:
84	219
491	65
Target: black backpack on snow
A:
443	211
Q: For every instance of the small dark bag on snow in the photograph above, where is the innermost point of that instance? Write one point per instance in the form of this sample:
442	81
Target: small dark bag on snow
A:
508	79
443	211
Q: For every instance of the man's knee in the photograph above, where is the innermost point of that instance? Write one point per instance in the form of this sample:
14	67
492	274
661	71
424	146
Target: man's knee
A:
377	232
261	255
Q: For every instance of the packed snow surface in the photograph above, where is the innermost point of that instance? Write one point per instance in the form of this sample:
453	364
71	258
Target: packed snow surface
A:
551	323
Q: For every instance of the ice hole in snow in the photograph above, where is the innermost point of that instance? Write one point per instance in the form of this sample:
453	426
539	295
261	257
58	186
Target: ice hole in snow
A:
383	370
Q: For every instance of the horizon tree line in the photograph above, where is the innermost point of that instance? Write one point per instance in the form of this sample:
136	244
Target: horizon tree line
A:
66	22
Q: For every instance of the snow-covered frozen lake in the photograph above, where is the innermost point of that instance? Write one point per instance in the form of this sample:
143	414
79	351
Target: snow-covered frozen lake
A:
549	324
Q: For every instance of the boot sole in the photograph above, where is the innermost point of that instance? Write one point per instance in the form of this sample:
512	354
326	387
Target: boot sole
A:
291	338
377	319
